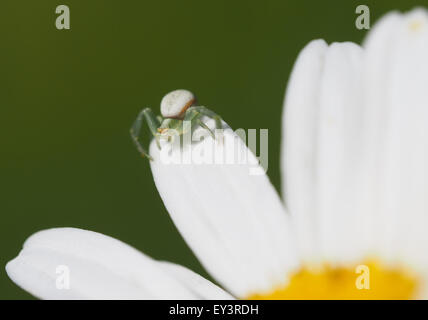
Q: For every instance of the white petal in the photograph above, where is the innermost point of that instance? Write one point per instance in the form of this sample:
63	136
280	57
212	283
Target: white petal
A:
374	133
98	267
321	146
200	286
403	98
233	221
300	121
338	154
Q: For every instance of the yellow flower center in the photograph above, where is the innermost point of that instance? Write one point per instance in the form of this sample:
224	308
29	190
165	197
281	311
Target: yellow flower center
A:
370	280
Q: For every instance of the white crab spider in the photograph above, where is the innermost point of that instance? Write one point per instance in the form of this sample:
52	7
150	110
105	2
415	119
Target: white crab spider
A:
176	107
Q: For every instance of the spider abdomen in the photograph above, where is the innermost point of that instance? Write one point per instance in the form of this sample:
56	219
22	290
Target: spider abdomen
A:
175	103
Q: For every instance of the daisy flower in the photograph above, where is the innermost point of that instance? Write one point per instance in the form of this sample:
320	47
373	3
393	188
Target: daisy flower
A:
354	164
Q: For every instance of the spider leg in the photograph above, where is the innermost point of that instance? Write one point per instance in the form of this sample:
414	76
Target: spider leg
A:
211	114
198	111
203	125
153	124
194	116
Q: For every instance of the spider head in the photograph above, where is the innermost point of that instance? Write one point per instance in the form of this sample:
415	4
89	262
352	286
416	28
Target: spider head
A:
170	127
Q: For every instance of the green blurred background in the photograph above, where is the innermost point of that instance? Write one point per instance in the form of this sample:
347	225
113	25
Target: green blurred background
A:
68	98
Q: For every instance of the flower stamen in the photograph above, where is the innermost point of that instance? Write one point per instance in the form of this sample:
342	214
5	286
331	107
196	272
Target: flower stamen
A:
338	283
